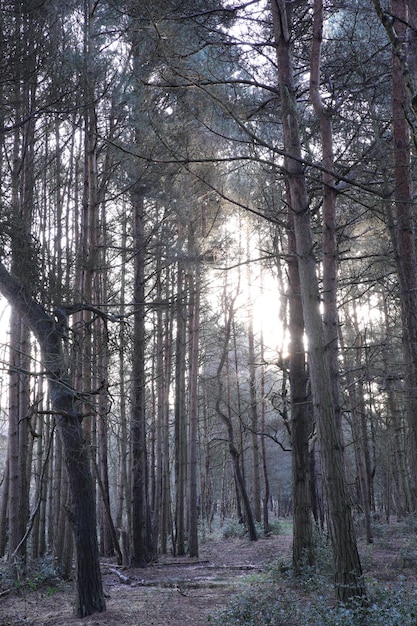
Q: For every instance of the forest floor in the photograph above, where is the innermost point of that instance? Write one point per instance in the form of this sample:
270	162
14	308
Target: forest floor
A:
178	591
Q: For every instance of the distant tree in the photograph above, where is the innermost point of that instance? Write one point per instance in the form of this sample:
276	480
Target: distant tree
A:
223	410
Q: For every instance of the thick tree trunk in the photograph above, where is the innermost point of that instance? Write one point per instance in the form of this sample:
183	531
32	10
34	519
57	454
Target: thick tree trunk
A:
90	596
397	23
405	225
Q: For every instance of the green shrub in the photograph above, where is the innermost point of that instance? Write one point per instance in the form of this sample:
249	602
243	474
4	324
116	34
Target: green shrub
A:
275	527
267	606
322	551
258	607
410	523
233	528
36	574
387	606
281	599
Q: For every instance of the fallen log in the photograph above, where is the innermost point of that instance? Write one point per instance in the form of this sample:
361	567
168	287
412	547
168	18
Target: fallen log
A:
124	579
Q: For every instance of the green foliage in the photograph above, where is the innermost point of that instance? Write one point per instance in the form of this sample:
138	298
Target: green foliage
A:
410	523
388	606
322	551
408	551
36	575
267	605
275	527
258	607
282	599
233	528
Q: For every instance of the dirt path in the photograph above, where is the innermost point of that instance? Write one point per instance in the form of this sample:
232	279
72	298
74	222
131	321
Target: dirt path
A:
173	592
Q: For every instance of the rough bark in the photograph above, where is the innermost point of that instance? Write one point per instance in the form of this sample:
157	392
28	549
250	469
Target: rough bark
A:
405	222
329	239
404	113
90	596
301	415
141	536
347	566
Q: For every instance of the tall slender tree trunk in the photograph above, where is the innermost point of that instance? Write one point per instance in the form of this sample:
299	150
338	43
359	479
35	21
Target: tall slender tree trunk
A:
267	490
180	415
17	441
160	405
22	189
194	334
347	566
359	427
397	23
166	513
123	518
254	418
405	222
396	426
4	509
241	490
141	535
329	240
301	414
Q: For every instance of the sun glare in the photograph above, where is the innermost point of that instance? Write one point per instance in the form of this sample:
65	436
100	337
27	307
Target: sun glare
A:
243	276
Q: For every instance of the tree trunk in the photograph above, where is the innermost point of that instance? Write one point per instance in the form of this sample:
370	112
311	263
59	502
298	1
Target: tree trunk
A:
180	416
405	223
329	238
254	426
194	334
141	536
166	512
123	518
17	440
347	566
4	509
267	490
90	596
160	406
301	415
234	453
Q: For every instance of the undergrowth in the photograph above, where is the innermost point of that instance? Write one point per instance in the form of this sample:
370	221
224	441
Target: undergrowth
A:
281	599
41	573
233	528
266	604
